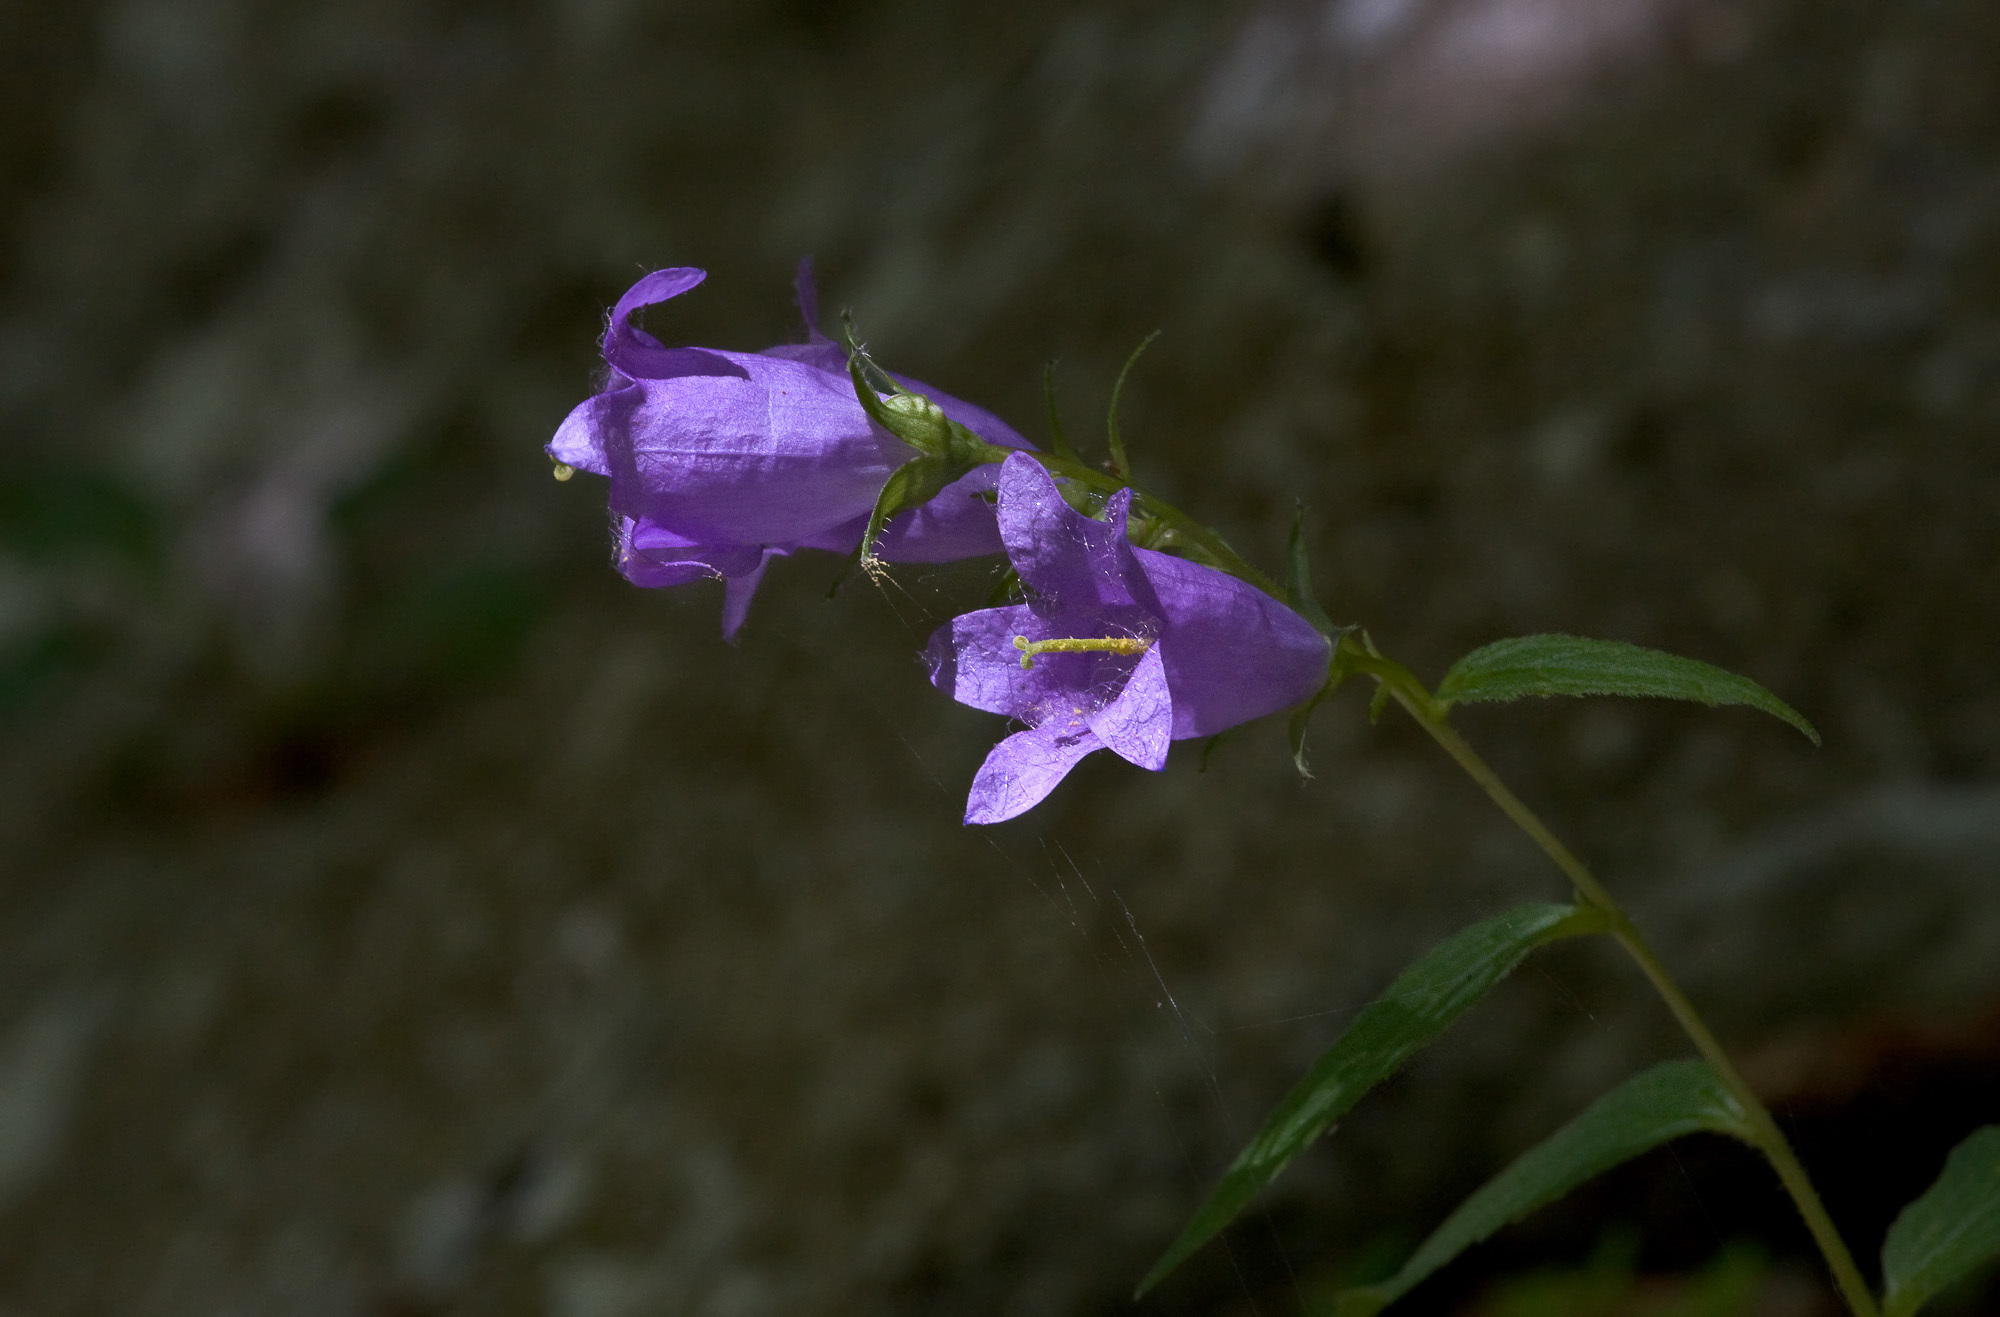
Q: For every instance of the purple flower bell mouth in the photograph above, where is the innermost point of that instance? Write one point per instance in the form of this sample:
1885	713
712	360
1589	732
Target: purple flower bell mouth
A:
721	461
1118	648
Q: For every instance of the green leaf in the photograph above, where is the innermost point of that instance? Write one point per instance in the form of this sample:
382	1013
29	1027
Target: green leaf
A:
1575	665
1949	1232
1119	466
1651	1108
1424	999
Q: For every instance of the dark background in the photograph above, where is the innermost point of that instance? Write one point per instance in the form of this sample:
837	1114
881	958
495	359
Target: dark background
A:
401	914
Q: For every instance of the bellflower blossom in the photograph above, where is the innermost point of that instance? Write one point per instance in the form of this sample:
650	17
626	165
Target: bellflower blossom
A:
1118	648
721	461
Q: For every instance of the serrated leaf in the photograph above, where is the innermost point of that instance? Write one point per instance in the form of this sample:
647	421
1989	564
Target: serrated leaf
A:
1426	997
1651	1108
1948	1233
1577	665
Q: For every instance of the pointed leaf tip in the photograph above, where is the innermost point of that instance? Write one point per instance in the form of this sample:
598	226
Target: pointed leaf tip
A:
1414	1010
1578	665
1949	1232
1653	1107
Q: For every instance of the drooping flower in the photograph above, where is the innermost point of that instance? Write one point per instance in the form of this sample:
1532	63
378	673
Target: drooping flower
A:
1117	648
721	461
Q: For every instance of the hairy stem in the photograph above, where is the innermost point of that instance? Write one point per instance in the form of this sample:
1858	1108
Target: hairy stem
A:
1429	713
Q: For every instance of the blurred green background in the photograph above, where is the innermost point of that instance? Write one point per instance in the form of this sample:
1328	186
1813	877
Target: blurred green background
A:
401	915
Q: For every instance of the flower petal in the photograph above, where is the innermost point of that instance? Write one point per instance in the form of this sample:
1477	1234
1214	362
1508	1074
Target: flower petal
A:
650	575
659	286
577	441
651	556
637	354
819	354
1231	652
777	456
959	523
737	592
1020	772
1138	724
1072	561
972	659
839	539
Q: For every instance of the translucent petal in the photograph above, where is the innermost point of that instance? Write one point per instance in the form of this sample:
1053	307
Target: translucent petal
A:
1071	561
1022	770
1138	725
1232	652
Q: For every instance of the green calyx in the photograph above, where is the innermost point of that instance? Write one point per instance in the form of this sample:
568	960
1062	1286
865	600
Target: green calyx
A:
911	417
918	422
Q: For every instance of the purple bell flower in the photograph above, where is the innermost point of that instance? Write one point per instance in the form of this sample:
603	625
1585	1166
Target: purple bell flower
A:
721	461
1118	648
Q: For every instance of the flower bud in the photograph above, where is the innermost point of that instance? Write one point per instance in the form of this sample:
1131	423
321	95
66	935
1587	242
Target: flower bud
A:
918	422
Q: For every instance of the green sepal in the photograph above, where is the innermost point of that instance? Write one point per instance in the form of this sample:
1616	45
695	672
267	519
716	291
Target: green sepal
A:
1059	443
1415	1009
1119	466
1295	728
1214	743
911	417
1949	1232
1298	578
910	485
1651	1108
1578	665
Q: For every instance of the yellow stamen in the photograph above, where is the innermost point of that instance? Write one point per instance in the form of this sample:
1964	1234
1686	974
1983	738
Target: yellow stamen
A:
1100	645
